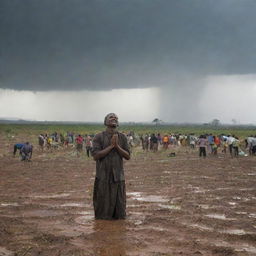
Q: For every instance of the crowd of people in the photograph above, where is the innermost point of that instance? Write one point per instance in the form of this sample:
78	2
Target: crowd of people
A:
207	144
56	140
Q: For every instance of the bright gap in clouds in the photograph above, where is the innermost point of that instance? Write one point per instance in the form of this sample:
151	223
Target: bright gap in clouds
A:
229	97
138	105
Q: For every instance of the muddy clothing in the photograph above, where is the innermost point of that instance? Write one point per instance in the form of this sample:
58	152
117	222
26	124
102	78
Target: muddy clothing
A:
109	197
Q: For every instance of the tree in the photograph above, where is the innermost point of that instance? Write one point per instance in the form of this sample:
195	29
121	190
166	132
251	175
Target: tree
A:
157	121
215	122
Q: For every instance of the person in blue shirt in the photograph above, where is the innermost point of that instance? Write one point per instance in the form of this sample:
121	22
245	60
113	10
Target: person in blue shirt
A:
16	147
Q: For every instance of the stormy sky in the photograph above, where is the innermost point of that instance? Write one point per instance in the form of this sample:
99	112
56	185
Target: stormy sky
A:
176	53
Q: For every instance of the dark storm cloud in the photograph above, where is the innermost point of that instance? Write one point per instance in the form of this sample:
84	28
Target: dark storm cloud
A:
104	44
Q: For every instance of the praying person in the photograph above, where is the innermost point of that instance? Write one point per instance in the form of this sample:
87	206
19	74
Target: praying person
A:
108	150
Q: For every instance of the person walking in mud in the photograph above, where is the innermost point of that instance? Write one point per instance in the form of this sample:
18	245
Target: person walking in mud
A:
108	150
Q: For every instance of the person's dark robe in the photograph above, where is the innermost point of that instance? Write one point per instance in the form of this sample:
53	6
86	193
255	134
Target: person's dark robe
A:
109	196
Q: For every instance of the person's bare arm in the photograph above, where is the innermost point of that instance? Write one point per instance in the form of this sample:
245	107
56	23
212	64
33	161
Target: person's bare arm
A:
123	152
103	152
120	150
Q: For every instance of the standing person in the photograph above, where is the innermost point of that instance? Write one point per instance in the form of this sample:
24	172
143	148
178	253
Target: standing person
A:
165	141
202	142
154	142
41	141
236	145
142	142
62	139
224	145
146	142
79	143
230	140
26	152
88	145
109	149
210	143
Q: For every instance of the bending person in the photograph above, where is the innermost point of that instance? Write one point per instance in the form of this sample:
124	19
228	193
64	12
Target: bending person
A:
16	147
26	152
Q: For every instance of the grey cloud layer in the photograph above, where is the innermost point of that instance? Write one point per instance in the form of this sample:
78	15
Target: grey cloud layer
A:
104	44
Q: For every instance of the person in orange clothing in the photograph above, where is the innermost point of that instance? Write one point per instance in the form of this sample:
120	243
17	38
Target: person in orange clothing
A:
165	141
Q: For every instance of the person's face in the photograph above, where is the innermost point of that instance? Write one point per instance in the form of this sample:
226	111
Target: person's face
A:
112	120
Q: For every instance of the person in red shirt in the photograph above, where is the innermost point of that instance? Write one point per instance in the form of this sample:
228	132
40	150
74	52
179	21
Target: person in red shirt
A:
79	143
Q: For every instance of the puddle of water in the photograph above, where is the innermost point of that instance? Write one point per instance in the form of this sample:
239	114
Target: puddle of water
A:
251	174
84	219
52	196
134	194
247	248
86	212
171	206
9	204
247	189
72	205
5	252
205	206
167	172
42	213
252	215
222	188
232	203
236	198
157	228
219	216
152	199
205	177
137	218
132	205
234	232
241	213
138	222
197	189
237	247
201	227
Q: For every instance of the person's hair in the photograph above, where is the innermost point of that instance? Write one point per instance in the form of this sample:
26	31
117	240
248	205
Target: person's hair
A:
106	117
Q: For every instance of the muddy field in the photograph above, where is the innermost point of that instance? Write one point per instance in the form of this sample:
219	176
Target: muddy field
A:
180	205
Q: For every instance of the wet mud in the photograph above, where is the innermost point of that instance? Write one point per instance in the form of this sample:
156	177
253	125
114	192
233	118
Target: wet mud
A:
182	205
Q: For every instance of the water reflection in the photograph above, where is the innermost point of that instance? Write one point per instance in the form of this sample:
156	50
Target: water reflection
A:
109	238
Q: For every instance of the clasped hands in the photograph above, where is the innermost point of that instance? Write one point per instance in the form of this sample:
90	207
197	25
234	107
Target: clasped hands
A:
114	141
